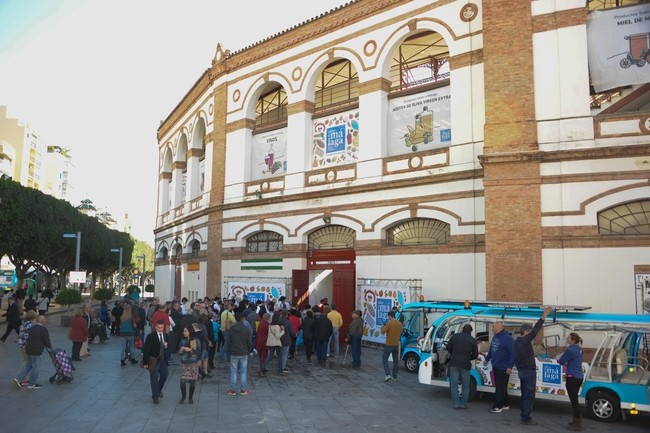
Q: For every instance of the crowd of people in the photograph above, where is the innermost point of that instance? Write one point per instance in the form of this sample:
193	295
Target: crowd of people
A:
198	332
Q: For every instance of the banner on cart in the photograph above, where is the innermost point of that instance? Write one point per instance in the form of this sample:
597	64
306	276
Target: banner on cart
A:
375	303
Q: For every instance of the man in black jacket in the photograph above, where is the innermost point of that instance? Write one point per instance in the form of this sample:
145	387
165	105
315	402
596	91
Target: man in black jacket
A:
323	330
463	349
154	359
13	318
38	338
526	368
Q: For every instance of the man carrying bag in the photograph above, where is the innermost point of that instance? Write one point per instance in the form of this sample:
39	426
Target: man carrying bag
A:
154	359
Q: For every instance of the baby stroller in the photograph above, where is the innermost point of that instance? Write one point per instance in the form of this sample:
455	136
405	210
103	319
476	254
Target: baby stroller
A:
62	365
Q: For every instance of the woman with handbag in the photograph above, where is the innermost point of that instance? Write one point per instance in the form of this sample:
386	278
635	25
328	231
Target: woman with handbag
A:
190	350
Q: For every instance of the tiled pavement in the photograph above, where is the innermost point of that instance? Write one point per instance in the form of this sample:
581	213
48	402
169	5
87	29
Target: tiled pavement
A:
105	397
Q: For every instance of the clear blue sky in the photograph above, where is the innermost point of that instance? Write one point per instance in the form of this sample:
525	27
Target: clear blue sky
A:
97	77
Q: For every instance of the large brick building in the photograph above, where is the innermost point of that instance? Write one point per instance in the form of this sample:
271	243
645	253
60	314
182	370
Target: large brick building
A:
449	149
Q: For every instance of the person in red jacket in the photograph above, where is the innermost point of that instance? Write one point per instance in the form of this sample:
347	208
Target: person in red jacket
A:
78	334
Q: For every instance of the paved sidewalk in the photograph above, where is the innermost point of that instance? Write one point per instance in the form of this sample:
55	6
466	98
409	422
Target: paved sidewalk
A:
105	397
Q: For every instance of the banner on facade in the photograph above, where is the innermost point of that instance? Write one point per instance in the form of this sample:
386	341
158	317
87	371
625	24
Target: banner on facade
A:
254	291
419	122
269	154
335	139
619	46
261	264
375	303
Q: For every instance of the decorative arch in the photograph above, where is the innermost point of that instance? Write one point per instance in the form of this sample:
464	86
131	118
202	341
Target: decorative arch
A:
181	148
166	158
418	231
627	219
404	213
253	228
402	33
192	237
264	241
249	101
198	132
331	237
175	244
314	70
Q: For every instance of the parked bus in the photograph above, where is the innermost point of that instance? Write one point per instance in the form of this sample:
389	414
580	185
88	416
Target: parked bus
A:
8	279
616	351
416	318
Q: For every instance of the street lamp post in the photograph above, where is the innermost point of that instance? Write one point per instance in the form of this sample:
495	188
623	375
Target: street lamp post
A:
77	255
119	250
142	257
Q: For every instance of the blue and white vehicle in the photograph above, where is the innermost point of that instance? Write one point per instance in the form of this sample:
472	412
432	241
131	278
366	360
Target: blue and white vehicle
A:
616	354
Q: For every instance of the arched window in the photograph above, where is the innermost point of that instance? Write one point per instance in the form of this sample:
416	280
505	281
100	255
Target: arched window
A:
178	252
263	242
332	237
420	60
271	108
164	253
626	219
337	87
419	231
196	247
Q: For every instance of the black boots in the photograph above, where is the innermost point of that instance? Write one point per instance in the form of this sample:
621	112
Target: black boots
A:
183	392
192	385
575	425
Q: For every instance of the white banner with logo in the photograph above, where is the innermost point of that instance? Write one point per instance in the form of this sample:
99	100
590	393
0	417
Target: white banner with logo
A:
269	155
375	303
419	122
619	46
254	291
335	139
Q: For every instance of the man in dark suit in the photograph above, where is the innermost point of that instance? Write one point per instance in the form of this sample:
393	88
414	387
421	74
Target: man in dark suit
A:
155	359
13	318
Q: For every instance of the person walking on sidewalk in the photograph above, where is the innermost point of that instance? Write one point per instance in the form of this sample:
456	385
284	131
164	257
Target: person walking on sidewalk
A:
155	359
572	358
13	318
190	349
526	368
354	334
38	338
463	349
502	355
393	331
240	341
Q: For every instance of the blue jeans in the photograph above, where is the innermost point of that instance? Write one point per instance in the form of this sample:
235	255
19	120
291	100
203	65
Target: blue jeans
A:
321	349
334	342
241	363
528	379
284	355
127	347
384	358
157	377
225	350
32	368
272	350
456	376
355	347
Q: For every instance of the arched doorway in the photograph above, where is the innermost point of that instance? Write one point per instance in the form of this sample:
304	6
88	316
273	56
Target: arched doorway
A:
331	265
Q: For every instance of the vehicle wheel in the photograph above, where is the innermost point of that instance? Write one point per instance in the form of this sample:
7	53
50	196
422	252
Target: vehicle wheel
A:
58	381
625	63
414	148
640	63
604	407
412	362
52	379
472	389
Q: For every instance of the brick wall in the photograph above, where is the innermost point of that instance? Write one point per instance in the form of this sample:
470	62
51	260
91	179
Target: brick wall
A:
512	178
215	216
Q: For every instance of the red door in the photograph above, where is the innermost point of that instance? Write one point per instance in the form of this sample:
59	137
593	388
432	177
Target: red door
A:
299	286
343	295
